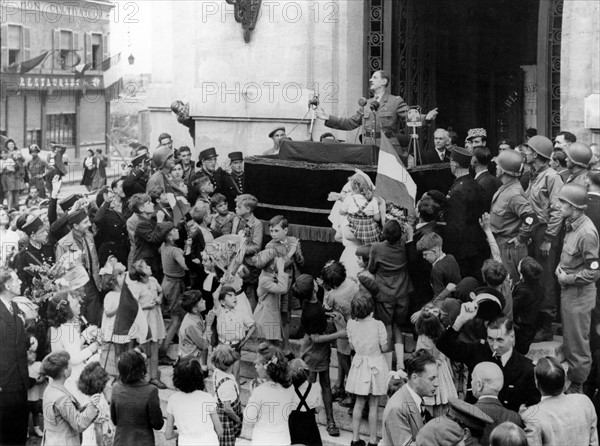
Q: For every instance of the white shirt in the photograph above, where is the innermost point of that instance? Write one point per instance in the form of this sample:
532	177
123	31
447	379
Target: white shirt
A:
415	397
505	357
191	412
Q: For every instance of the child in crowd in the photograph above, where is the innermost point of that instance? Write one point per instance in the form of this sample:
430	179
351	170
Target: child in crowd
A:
445	273
33	199
222	222
271	286
205	189
112	276
161	202
191	409
252	230
495	275
179	187
146	290
366	280
362	211
368	374
429	327
282	245
528	295
192	342
388	261
340	290
93	381
234	327
307	402
316	345
173	287
227	392
270	403
64	424
35	392
202	217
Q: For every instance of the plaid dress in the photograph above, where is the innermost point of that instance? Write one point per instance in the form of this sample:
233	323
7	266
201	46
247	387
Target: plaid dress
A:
231	430
364	226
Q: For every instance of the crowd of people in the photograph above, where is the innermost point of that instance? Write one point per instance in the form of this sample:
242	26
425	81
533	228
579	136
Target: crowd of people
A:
96	289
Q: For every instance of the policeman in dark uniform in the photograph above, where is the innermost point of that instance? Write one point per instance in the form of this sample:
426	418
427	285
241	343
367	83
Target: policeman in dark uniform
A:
37	251
208	168
383	113
234	180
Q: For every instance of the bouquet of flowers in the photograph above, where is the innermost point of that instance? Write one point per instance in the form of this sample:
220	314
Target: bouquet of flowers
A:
48	279
92	334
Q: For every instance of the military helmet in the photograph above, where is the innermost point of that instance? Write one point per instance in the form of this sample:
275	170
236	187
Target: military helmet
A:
574	194
511	162
579	154
541	145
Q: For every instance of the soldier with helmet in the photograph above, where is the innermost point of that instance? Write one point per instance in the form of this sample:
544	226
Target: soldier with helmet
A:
511	216
579	156
577	273
543	197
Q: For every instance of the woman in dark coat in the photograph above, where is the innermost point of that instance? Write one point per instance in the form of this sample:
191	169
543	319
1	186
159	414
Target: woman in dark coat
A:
135	408
89	170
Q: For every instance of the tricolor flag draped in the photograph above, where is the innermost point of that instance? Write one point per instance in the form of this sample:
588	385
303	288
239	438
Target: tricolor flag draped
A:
27	65
393	182
130	320
113	70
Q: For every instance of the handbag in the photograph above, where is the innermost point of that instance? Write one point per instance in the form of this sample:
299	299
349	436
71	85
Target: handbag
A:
363	226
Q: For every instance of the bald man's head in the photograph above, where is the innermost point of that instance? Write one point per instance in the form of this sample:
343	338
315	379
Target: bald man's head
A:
486	379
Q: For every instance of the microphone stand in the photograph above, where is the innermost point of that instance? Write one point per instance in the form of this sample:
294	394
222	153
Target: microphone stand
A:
313	104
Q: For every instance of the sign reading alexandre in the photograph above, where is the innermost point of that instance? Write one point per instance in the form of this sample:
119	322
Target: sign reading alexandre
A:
50	82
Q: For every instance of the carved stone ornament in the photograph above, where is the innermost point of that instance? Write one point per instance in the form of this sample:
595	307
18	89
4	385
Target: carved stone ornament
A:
246	13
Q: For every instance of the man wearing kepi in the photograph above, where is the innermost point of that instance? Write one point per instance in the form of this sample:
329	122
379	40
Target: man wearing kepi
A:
577	273
383	113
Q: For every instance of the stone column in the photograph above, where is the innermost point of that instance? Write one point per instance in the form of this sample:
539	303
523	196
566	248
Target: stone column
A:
580	65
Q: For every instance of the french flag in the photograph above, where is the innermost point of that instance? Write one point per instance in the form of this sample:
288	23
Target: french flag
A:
393	182
130	320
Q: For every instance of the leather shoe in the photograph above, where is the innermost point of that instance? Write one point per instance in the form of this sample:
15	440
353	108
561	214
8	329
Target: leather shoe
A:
158	383
165	360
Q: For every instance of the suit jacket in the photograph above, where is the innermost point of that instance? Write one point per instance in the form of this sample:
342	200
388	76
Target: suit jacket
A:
431	156
489	184
561	420
464	236
519	384
14	374
401	419
497	412
135	411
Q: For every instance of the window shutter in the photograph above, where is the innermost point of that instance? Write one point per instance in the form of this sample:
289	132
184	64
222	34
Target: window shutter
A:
88	48
55	48
26	44
4	44
105	51
76	47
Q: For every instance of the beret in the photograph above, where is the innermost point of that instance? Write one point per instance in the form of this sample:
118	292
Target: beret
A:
275	130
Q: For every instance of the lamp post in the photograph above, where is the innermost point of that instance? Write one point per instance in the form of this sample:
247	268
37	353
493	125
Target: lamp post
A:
131	59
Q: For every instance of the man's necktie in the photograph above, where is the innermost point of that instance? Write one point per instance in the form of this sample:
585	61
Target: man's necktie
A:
425	416
498	360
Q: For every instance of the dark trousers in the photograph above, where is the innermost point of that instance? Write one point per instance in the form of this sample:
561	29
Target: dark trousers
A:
549	263
14	418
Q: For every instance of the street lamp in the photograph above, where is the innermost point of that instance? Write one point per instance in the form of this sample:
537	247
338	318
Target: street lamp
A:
131	59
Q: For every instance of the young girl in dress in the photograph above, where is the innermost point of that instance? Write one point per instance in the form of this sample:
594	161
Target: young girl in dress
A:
270	403
367	378
229	406
93	381
307	402
192	410
112	276
362	211
429	327
146	290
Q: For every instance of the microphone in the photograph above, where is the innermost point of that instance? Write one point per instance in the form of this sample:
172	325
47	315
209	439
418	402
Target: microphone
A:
362	102
375	105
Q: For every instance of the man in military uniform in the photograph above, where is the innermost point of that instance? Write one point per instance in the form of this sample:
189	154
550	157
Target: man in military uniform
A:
277	135
511	216
579	156
234	180
577	274
36	167
543	197
466	240
383	113
208	168
36	252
